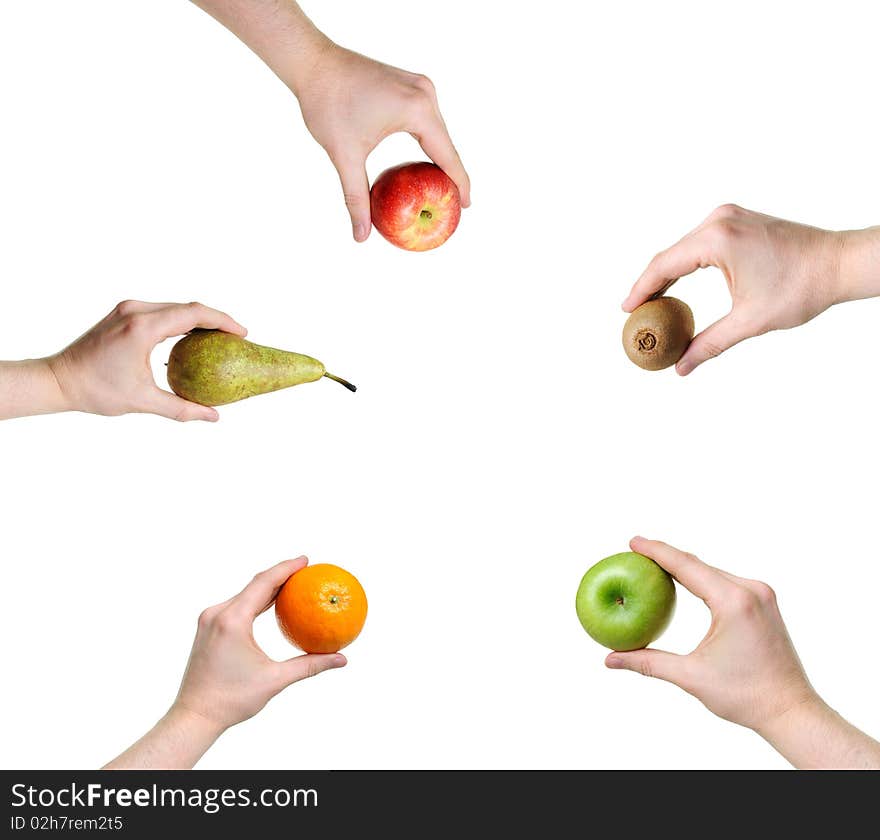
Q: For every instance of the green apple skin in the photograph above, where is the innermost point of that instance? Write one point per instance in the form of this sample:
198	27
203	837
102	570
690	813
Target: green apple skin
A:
625	601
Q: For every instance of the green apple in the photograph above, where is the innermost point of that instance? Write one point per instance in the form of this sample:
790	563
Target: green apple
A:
625	601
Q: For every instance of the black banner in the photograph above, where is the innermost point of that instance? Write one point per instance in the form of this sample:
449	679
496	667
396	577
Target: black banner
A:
424	803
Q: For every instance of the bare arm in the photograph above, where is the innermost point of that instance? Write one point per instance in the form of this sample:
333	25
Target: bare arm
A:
278	31
29	387
812	736
860	265
176	742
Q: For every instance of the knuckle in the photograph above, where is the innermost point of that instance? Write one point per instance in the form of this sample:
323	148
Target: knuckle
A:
645	668
206	617
422	98
726	211
354	201
125	307
763	592
425	85
135	323
225	623
711	349
723	230
658	258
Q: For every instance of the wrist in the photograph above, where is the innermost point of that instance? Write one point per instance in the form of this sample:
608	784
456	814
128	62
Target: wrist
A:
800	712
297	67
197	727
30	387
61	380
859	275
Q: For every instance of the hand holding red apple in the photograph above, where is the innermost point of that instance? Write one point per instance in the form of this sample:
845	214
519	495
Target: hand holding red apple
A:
351	103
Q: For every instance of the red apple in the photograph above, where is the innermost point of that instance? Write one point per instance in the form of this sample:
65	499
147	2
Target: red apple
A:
415	206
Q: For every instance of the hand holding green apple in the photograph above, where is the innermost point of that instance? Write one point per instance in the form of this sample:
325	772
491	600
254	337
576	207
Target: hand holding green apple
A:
746	669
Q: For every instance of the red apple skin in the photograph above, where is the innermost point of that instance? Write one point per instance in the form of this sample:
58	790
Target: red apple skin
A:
415	206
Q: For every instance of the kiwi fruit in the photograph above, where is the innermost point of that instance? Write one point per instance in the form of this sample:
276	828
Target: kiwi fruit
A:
656	334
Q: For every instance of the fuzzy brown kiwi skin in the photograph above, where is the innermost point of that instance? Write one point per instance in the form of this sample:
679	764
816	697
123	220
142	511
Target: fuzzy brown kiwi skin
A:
658	332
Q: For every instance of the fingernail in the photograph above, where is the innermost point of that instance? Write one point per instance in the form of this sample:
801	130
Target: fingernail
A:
623	305
339	660
614	662
683	368
359	232
213	417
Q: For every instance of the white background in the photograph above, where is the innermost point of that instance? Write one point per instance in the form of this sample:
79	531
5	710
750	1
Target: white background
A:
500	442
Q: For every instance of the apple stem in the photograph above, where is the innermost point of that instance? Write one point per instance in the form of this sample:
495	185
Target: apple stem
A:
340	380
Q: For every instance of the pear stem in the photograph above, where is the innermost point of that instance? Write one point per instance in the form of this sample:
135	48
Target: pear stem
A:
340	380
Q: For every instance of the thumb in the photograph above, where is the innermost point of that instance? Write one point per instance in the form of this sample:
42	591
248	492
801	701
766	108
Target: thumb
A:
175	408
649	663
356	189
712	342
309	665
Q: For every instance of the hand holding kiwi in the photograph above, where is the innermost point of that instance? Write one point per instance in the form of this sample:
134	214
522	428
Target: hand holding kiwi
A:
658	332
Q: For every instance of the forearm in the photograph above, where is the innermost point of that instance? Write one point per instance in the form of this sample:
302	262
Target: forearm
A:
812	736
278	31
176	742
860	265
29	387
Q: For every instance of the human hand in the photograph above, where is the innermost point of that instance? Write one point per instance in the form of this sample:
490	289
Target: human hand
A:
351	103
229	678
107	370
746	669
780	275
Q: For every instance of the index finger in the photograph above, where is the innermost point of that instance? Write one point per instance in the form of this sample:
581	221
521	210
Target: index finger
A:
437	144
180	318
686	256
261	592
693	574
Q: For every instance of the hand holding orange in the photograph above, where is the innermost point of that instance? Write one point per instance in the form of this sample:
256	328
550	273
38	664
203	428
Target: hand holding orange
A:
321	608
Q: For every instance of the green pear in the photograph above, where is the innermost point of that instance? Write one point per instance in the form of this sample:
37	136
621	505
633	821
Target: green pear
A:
211	367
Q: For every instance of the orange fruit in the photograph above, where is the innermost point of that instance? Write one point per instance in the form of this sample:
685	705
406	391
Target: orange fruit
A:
321	608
